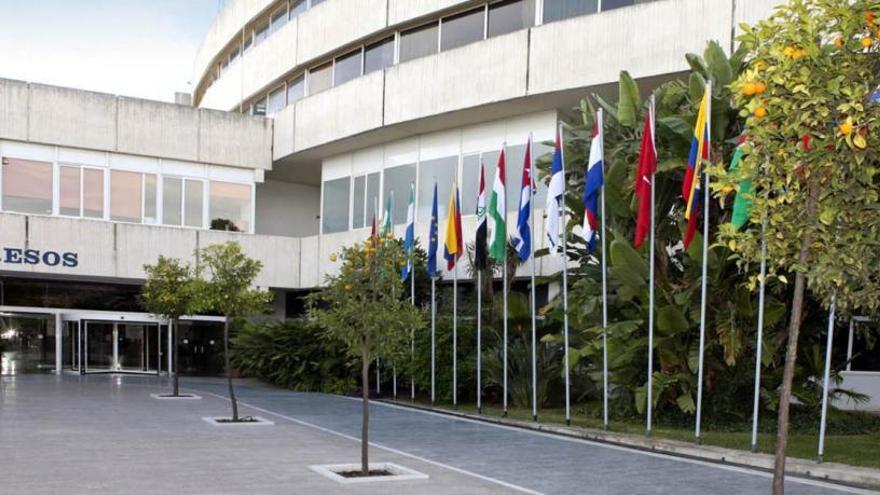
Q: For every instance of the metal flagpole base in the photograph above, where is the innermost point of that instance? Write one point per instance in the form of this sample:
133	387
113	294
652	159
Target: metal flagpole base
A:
606	427
504	414
479	410
820	459
698	440
648	433
567	422
535	418
754	448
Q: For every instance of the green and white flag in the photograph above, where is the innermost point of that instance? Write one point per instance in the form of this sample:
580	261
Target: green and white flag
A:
387	217
498	212
742	204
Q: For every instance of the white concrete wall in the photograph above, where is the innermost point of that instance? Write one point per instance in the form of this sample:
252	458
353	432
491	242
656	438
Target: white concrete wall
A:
268	61
288	209
335	23
117	251
404	10
37	113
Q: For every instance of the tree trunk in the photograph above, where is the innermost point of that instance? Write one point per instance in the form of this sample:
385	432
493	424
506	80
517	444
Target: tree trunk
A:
365	387
229	369
175	367
794	327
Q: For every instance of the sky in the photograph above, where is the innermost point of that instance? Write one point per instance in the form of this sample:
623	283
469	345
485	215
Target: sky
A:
136	48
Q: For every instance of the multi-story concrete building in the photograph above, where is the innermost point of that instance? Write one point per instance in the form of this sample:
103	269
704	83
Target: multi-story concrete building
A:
305	114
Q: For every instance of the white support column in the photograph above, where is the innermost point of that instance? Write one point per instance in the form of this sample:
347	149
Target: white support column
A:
58	342
170	351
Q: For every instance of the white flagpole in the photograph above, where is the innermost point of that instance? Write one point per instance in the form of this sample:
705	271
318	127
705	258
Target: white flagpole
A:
454	313
601	118
563	223
378	378
704	281
760	339
412	298
433	336
826	380
479	335
532	255
504	284
650	391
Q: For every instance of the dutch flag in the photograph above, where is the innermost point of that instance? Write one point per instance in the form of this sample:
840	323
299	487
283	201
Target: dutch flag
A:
593	184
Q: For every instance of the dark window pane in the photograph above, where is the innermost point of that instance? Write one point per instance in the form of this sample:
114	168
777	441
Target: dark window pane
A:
279	19
296	89
462	29
347	68
259	108
379	55
233	55
511	16
260	33
441	170
321	78
555	10
470	183
335	214
297	7
398	181
316	2
247	43
616	4
418	42
276	101
373	181
360	192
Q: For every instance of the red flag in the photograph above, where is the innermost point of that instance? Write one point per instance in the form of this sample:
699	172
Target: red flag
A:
644	173
374	234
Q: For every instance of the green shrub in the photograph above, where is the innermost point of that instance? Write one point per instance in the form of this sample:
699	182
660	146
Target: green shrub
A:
293	354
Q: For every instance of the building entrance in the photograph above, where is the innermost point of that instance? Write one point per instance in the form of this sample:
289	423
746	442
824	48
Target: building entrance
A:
114	346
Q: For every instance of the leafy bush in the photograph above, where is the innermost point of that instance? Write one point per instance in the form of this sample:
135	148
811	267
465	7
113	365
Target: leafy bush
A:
293	354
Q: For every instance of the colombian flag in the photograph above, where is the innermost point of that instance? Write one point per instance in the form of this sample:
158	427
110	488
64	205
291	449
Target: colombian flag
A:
453	244
692	187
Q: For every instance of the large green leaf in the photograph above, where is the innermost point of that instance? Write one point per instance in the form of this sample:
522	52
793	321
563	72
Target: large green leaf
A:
630	103
671	320
718	64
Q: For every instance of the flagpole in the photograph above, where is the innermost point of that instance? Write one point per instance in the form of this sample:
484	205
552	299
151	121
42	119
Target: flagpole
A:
479	335
412	297
705	260
451	216
826	380
504	286
378	377
760	339
563	223
650	390
433	336
601	118
532	256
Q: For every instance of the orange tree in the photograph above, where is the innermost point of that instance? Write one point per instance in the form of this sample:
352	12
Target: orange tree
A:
367	307
809	97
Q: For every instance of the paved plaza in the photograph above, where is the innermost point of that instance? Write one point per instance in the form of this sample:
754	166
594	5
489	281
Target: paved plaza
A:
105	434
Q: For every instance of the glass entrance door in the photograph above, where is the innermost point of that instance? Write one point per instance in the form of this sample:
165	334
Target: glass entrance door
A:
120	347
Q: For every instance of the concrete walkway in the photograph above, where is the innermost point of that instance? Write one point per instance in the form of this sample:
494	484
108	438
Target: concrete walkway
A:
104	434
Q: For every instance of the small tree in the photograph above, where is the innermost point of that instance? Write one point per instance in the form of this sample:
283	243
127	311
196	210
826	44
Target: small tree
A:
168	293
364	308
814	130
230	291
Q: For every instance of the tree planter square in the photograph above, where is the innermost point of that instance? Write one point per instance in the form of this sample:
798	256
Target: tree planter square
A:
396	473
225	421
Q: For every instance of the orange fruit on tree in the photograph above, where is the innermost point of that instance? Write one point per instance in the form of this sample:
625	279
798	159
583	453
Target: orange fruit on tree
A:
760	87
846	128
838	42
760	112
749	88
867	42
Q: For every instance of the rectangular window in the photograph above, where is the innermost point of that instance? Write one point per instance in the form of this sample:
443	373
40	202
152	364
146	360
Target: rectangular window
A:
515	157
233	54
27	186
462	29
223	65
68	191
334	216
248	41
316	2
616	4
347	68
150	198
379	55
276	101
358	199
93	193
230	206
126	196
555	10
297	7
441	170
513	15
259	108
261	33
397	183
279	19
470	184
172	201
193	204
418	42
321	78
296	89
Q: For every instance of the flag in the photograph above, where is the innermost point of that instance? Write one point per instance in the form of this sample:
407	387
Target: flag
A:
409	237
480	244
644	175
522	238
432	238
593	182
498	211
555	193
692	188
374	234
452	245
742	204
387	216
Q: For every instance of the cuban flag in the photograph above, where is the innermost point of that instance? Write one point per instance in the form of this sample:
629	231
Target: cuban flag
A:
522	238
593	182
409	237
555	193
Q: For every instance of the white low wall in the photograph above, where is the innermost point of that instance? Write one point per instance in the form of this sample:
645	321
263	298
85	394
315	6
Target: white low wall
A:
866	382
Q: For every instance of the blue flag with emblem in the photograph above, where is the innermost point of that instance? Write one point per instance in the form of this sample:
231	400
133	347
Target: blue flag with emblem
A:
432	236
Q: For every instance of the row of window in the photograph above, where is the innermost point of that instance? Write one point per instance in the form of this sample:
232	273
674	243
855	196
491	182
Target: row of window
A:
490	19
30	187
351	202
